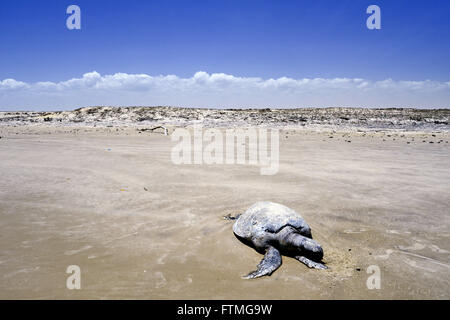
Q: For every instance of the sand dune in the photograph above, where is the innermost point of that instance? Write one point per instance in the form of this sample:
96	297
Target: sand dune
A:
317	118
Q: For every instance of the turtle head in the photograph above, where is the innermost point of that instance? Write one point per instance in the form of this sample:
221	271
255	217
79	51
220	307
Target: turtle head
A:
296	244
310	249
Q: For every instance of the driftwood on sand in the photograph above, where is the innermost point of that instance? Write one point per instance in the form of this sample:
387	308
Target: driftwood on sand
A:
152	129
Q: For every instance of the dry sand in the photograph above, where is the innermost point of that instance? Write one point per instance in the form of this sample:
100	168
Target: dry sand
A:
111	201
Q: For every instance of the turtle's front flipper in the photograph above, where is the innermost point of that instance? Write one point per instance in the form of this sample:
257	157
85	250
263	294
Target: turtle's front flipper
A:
270	263
310	263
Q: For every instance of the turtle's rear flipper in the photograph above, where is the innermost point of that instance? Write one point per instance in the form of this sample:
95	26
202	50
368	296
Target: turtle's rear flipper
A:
310	263
270	263
230	217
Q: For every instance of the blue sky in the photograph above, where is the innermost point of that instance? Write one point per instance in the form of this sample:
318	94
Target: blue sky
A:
243	39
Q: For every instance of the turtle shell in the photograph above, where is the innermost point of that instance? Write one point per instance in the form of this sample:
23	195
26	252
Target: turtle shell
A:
270	217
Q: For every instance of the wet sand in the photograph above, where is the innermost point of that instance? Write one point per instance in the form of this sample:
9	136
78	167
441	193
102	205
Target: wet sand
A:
140	227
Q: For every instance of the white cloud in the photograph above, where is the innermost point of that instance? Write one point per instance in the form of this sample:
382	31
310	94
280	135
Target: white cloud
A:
12	84
220	90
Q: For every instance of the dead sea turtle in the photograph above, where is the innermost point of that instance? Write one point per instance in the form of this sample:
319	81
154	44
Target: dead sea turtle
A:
274	229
